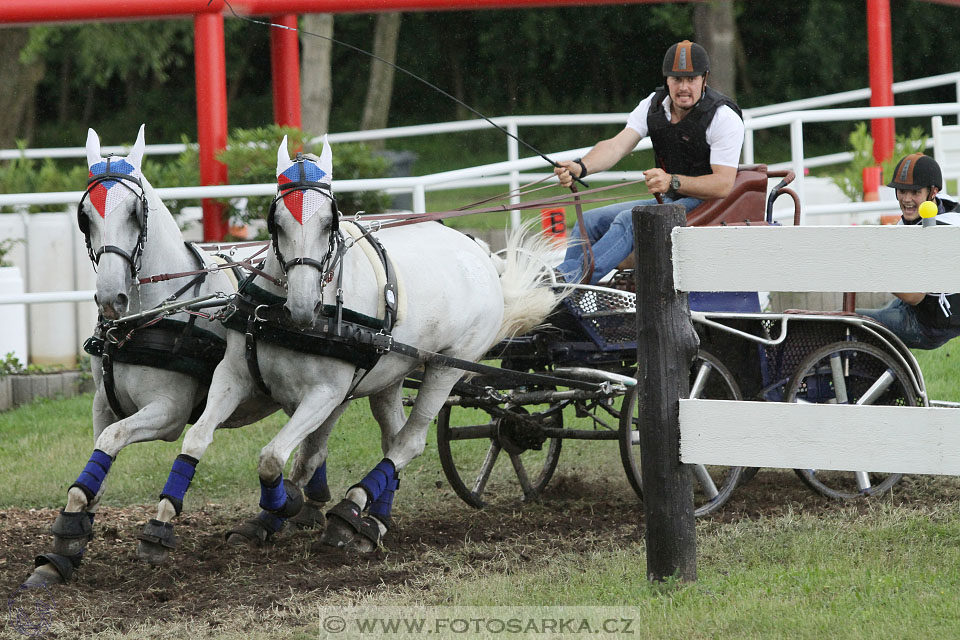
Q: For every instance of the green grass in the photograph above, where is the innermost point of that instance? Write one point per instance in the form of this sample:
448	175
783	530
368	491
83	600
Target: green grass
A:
885	568
940	369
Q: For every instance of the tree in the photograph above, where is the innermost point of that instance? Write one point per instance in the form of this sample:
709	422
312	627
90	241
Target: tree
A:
716	29
20	74
376	108
316	86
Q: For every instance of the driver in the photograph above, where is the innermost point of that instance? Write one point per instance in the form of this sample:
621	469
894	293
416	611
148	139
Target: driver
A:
697	134
921	320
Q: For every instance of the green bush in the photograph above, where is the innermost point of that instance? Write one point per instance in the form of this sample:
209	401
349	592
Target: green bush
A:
29	175
850	180
250	156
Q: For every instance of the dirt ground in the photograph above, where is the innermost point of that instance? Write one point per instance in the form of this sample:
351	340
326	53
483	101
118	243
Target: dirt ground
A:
114	592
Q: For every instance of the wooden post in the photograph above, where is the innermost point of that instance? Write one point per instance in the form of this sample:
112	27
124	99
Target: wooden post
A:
666	346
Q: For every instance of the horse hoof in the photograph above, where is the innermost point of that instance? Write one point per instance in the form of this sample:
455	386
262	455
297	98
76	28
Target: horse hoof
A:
252	533
153	554
368	538
156	542
48	571
310	517
343	524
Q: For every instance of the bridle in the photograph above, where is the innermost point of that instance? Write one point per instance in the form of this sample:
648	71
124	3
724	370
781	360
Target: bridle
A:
135	257
336	240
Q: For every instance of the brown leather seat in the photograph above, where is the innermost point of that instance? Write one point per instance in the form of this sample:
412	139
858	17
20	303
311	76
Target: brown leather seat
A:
746	202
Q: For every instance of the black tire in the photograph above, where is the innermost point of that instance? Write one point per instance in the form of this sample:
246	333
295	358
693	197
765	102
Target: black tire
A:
712	485
865	365
473	449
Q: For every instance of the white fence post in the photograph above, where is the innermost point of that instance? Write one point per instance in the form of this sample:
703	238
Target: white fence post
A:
513	154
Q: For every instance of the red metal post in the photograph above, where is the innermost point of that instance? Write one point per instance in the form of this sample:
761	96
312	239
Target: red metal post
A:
285	67
880	49
209	59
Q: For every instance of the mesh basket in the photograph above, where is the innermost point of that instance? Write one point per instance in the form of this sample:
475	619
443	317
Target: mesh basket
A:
607	315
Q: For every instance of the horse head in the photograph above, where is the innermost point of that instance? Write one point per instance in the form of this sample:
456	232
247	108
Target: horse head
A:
113	218
304	227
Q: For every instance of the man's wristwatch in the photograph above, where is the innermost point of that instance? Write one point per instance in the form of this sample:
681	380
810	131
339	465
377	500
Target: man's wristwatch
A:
583	168
674	182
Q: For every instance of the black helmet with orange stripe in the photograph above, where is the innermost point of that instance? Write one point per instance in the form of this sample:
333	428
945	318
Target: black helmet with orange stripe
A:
916	171
686	59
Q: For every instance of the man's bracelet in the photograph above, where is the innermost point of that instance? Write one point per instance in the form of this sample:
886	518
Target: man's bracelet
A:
583	168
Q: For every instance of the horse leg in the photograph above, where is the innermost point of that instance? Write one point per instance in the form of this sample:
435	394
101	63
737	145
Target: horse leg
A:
310	473
281	499
73	528
227	390
401	444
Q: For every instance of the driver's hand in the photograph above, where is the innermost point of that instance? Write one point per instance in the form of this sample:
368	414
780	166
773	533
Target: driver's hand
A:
567	171
658	180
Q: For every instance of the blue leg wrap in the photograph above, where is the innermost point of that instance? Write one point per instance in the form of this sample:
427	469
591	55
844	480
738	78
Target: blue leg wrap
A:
273	497
379	479
179	480
383	506
270	521
91	478
317	488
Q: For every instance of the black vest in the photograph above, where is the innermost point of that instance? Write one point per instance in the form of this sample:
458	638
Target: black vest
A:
682	147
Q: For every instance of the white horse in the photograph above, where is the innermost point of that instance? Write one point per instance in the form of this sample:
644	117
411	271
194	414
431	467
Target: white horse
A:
315	352
150	377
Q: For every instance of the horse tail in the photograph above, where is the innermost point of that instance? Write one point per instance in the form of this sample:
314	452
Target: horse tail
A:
525	268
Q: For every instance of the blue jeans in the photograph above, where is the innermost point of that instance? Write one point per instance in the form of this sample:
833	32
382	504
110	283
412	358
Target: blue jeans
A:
901	318
610	230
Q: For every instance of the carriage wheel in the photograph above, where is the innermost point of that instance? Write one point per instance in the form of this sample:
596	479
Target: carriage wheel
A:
850	373
712	485
526	456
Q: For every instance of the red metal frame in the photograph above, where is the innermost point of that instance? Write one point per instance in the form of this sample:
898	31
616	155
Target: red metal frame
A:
285	69
210	72
881	75
210	62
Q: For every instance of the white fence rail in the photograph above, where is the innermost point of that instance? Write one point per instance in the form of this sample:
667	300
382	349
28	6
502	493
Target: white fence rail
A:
818	436
70	278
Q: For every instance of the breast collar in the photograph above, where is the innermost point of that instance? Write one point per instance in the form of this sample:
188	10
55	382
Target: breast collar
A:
338	333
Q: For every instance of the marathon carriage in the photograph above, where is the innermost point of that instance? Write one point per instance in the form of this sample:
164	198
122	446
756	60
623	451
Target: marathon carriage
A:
581	362
744	354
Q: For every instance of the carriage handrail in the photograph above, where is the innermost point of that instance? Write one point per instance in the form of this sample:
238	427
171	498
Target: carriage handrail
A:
872	327
704	317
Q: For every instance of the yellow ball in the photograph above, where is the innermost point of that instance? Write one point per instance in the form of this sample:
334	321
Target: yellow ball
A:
927	209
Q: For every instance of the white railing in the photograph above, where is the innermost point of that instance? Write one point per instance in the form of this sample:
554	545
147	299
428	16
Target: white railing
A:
816	436
509	172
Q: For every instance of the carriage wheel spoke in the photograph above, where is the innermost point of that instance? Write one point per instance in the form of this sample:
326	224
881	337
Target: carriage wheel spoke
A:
706	482
839	380
528	490
878	388
486	468
703	373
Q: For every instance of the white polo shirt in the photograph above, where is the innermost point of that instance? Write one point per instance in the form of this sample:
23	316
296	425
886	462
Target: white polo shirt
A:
724	135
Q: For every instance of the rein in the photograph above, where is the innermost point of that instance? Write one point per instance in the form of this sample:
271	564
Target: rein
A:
401	219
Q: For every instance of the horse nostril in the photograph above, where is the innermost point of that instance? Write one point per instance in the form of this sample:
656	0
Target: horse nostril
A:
122	301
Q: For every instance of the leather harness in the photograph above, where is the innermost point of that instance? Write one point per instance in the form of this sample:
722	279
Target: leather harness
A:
168	344
339	333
